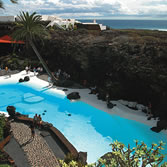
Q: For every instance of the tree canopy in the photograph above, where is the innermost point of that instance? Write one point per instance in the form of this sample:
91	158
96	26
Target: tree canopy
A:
29	28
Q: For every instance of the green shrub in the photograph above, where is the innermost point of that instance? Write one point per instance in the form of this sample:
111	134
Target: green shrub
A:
5	165
69	157
140	155
137	156
2	124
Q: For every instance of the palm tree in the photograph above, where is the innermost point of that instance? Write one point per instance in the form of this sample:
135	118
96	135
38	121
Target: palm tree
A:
29	28
1	3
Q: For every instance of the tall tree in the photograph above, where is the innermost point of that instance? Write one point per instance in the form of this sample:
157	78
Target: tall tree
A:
29	28
1	3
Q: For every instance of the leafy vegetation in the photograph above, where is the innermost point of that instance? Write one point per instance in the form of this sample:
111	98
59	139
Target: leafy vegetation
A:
2	124
4	132
140	155
5	165
29	28
4	157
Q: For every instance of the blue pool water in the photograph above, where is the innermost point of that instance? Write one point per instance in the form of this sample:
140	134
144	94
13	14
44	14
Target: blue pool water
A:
88	128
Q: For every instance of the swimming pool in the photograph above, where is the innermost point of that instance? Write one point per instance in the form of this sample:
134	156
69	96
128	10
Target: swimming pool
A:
88	129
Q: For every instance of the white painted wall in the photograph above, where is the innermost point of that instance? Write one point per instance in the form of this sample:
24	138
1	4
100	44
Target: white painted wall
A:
58	21
102	27
7	18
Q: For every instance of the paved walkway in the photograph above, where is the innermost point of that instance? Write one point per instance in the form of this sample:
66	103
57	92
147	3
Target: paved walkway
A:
3	72
16	153
37	150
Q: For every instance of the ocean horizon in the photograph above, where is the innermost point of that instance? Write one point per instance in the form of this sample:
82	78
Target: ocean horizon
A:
160	25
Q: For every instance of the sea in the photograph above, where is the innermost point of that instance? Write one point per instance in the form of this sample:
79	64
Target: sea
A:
160	25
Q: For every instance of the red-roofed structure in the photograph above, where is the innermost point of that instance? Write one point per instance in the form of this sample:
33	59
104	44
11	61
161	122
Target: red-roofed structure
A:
8	39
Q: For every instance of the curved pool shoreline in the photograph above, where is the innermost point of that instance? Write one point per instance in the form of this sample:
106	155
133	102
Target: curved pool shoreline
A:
41	85
117	114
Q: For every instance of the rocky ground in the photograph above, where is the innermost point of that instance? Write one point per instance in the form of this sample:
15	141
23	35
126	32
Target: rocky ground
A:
36	149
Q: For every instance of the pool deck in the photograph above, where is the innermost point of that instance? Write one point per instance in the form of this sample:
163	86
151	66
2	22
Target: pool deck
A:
36	149
16	153
45	146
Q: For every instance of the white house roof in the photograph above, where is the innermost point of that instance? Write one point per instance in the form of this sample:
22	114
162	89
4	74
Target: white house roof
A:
51	18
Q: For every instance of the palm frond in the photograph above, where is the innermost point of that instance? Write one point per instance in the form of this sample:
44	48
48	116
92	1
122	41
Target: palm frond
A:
1	4
14	1
30	27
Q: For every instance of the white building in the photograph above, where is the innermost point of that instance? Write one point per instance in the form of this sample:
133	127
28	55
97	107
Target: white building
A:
50	18
102	27
61	23
54	20
7	18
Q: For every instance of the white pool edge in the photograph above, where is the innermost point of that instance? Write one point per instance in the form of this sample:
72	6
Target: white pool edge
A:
119	110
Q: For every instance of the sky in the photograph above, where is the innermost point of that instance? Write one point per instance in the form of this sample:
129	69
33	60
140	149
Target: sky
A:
91	9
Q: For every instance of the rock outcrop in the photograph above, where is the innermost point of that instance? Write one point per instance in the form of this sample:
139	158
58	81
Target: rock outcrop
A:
21	80
73	96
11	110
26	78
162	124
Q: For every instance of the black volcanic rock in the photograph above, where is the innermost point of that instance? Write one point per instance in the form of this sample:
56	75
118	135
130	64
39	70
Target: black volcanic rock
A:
21	80
156	129
73	95
11	110
162	124
26	78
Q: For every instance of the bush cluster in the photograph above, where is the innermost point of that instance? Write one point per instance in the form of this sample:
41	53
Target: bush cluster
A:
2	124
139	156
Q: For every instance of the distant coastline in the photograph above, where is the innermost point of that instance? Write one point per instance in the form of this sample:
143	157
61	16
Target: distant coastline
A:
160	25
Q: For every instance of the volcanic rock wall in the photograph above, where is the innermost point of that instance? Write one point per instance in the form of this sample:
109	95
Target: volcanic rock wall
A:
129	64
